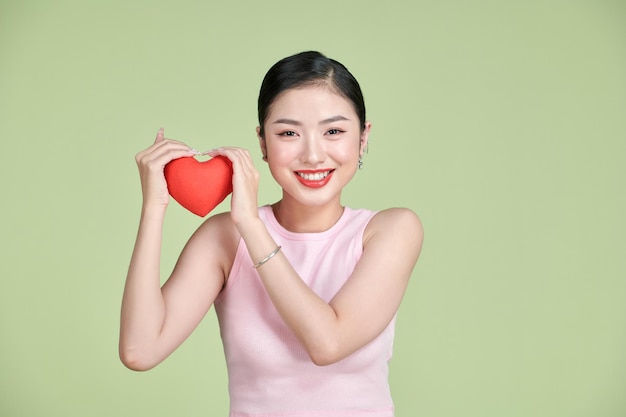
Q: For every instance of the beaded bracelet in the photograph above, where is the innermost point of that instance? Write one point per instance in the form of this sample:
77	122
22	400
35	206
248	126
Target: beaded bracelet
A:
268	257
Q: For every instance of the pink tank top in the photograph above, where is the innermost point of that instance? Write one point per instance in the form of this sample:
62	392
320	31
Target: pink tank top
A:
270	373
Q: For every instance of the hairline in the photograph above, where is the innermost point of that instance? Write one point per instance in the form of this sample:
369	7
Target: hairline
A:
326	83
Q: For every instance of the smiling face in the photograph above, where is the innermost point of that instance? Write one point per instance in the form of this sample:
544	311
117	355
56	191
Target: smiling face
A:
313	140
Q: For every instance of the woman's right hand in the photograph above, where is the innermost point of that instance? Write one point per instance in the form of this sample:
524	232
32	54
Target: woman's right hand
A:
151	163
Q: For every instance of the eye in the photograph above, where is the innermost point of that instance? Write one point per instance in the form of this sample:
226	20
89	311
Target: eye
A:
335	131
287	133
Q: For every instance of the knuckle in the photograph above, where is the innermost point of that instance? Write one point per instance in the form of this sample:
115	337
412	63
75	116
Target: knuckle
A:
140	159
152	165
140	155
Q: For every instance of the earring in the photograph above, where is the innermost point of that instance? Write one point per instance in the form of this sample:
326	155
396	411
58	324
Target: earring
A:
360	162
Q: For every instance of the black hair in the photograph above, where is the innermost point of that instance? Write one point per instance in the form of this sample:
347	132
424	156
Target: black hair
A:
309	68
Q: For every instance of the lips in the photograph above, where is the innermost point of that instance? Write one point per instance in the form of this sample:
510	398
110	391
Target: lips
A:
314	178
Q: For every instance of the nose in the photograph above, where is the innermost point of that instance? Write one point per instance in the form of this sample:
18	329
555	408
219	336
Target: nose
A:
313	151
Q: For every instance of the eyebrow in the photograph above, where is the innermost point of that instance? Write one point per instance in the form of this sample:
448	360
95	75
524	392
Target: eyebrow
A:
333	119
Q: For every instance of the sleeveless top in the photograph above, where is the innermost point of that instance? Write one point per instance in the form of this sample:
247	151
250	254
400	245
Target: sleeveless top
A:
270	373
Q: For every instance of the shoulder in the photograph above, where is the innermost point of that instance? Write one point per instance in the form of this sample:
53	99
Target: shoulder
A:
398	223
218	235
219	226
395	218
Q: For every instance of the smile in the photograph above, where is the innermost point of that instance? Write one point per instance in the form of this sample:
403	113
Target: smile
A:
313	176
314	179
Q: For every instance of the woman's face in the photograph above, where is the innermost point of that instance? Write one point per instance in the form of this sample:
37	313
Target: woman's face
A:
313	142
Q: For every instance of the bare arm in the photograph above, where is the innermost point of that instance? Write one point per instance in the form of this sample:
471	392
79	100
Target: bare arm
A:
364	306
155	320
366	303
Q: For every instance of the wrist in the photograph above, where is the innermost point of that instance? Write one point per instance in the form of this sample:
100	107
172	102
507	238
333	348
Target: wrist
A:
250	227
149	211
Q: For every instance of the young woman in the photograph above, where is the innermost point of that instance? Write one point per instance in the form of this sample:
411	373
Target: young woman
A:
306	290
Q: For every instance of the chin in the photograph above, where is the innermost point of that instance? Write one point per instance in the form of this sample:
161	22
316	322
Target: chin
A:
313	197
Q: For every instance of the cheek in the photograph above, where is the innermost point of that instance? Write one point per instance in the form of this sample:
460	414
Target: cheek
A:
346	151
283	149
281	153
279	157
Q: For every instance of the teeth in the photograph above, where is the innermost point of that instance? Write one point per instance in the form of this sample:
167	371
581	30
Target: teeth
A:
314	177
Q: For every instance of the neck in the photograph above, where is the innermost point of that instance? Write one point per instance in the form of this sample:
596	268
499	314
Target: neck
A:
299	218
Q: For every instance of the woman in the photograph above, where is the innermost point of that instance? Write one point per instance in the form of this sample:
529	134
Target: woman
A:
306	290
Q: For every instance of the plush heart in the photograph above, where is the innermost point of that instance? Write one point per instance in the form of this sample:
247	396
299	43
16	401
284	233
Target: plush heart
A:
199	186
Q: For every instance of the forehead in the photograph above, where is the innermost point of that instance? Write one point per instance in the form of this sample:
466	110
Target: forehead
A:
311	102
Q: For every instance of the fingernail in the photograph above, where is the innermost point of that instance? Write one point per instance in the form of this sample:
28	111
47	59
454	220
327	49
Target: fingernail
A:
207	152
193	151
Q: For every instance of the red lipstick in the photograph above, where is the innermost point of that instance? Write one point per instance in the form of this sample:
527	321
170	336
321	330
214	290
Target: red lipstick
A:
314	178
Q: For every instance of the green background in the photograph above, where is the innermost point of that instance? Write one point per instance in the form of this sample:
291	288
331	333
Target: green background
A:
502	124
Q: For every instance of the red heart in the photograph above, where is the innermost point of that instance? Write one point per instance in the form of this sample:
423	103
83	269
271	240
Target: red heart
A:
199	186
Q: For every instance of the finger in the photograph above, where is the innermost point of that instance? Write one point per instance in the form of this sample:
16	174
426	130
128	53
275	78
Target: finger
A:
159	135
213	152
162	148
244	158
243	167
158	141
159	160
232	153
247	159
165	143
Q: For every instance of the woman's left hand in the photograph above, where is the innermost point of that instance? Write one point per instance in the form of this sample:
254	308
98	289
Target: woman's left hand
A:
243	205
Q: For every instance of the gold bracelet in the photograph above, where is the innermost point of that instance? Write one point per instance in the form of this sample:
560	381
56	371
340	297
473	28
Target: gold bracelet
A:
268	257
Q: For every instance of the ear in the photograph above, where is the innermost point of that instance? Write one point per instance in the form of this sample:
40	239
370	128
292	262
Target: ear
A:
365	138
261	143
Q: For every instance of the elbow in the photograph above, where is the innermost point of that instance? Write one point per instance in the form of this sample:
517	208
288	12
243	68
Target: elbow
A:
135	365
134	360
324	355
321	360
